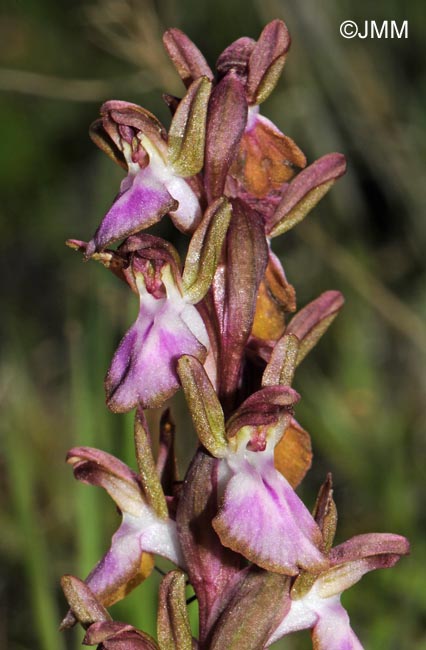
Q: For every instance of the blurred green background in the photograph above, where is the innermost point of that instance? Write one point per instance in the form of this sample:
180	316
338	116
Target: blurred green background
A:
362	388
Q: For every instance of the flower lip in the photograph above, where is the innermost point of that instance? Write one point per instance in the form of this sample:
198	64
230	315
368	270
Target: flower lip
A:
143	370
152	188
262	518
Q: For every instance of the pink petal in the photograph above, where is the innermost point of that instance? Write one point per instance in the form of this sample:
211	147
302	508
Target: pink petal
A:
143	369
262	518
142	201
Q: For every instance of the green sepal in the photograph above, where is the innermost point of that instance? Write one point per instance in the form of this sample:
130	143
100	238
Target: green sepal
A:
147	470
187	133
173	629
305	191
205	249
82	601
311	322
325	513
282	365
204	405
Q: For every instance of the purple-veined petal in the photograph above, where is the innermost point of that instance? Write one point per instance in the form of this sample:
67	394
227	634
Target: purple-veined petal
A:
356	557
142	201
143	369
341	577
97	467
142	531
262	518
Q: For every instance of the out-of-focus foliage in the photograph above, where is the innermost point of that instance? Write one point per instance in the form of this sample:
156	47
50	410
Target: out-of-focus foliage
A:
362	388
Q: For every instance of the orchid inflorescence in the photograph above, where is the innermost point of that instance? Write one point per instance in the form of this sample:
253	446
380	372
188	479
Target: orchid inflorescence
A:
260	564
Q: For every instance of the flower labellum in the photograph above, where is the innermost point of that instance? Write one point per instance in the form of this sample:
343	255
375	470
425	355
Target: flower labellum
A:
143	369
